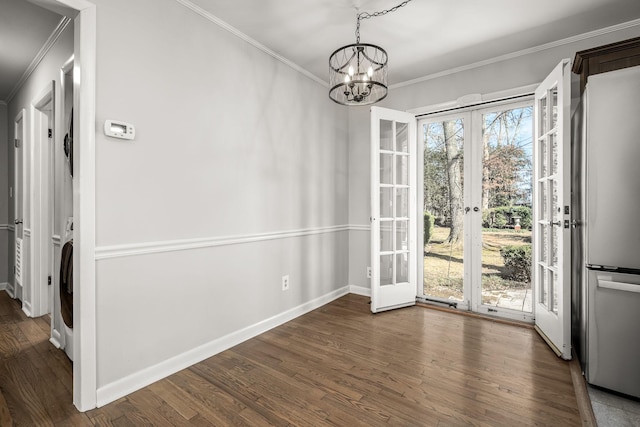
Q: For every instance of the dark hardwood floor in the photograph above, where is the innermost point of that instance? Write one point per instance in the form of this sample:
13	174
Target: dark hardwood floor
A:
338	365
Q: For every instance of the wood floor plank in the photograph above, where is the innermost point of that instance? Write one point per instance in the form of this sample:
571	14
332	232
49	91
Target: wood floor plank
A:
338	365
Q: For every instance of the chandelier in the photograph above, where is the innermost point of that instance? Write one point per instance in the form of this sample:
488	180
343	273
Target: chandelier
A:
358	72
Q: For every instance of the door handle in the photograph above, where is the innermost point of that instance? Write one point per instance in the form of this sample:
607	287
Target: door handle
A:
17	221
558	223
476	209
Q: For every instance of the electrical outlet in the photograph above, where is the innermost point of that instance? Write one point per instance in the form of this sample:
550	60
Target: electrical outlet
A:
285	283
368	272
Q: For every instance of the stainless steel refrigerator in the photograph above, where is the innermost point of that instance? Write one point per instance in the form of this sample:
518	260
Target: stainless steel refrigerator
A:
606	238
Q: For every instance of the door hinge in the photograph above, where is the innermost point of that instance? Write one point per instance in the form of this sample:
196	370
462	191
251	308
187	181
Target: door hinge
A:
49	280
50	133
16	143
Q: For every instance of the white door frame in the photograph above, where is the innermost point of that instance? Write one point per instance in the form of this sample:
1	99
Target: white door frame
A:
40	209
19	126
84	206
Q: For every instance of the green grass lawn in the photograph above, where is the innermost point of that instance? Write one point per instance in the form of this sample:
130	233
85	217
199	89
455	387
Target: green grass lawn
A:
443	263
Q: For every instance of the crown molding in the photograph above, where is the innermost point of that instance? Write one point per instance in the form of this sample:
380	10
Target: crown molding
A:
225	26
51	41
520	53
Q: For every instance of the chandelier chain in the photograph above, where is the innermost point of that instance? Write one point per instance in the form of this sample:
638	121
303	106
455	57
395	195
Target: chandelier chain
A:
367	15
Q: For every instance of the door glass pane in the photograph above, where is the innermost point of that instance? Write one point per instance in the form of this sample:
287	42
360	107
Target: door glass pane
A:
507	202
402	170
386	236
553	97
443	158
554	292
544	200
553	142
544	286
386	202
386	270
544	158
386	168
544	242
402	137
402	202
543	115
386	135
402	235
402	268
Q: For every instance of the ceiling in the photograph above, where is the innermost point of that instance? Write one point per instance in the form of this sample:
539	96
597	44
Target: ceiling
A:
422	38
24	29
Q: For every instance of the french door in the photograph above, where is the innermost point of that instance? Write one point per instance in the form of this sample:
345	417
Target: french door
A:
493	204
393	209
552	210
477	201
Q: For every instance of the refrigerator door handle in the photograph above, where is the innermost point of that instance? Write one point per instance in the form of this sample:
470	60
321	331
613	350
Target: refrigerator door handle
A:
619	286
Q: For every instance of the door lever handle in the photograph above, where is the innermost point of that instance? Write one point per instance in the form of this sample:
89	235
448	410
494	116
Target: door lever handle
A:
17	221
558	223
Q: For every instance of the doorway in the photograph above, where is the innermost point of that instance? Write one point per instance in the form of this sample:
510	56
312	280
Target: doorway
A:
477	169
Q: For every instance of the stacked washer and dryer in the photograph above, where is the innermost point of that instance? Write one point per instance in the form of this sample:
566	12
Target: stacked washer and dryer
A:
63	293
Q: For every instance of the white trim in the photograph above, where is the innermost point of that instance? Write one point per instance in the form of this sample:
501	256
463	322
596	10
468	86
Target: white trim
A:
40	56
26	232
225	26
26	308
11	290
4	286
11	228
520	53
474	101
85	375
360	290
116	251
55	239
4	227
143	378
359	227
55	338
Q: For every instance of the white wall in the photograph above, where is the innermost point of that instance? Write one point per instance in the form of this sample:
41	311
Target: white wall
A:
231	144
509	74
5	232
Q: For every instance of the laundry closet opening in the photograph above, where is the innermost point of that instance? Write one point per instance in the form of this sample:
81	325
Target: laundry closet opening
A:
477	184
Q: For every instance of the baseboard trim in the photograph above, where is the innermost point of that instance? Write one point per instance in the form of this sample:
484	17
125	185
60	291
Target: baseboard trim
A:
26	309
360	290
117	389
10	290
4	286
55	339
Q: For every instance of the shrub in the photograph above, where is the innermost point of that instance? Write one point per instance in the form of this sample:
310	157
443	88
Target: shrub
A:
429	220
500	217
517	262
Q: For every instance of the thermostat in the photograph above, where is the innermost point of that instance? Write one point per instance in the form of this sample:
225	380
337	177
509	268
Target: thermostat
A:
119	129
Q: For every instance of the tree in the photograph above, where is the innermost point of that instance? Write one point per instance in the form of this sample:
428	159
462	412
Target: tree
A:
454	171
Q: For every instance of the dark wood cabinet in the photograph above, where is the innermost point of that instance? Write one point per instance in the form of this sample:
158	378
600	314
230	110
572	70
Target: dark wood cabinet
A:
605	58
